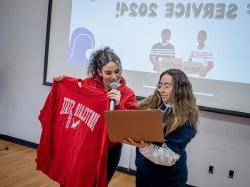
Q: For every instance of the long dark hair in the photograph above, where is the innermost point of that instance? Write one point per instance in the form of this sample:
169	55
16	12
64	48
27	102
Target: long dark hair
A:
100	58
184	107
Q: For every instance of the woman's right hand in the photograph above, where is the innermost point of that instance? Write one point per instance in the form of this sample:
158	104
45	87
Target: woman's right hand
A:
140	144
58	78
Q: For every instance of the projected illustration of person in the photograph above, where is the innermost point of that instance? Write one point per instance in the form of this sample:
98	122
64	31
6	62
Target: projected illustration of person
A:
162	50
201	55
81	41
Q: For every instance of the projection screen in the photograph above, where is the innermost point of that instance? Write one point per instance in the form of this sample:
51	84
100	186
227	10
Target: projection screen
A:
208	40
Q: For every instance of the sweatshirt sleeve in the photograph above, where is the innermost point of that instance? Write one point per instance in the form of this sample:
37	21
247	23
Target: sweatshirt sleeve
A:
44	150
160	155
46	112
128	101
174	146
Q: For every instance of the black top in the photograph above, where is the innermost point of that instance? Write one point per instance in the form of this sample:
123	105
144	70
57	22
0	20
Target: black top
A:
150	174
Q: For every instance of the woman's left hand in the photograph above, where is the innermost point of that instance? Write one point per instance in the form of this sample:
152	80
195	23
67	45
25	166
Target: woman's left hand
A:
115	95
140	144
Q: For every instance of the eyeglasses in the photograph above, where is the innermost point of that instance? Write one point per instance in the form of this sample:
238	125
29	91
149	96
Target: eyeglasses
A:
161	86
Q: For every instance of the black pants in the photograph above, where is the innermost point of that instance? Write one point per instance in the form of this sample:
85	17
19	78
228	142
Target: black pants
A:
114	154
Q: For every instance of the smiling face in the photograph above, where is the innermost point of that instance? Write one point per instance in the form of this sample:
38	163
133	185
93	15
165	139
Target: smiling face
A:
110	72
165	88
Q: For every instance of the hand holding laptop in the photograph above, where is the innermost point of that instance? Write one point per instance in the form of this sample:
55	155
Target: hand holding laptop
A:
140	144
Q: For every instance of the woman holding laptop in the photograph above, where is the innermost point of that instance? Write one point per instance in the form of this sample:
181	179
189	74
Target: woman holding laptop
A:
165	164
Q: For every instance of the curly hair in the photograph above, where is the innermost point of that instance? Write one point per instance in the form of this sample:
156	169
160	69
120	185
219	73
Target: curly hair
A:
100	58
183	101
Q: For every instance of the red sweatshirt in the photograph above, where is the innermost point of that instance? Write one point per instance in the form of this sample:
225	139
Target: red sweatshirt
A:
73	145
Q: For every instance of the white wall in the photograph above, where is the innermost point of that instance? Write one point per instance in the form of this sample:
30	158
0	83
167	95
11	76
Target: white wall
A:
22	43
223	142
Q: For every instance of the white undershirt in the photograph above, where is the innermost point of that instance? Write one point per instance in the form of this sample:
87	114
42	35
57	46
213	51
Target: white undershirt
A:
160	155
